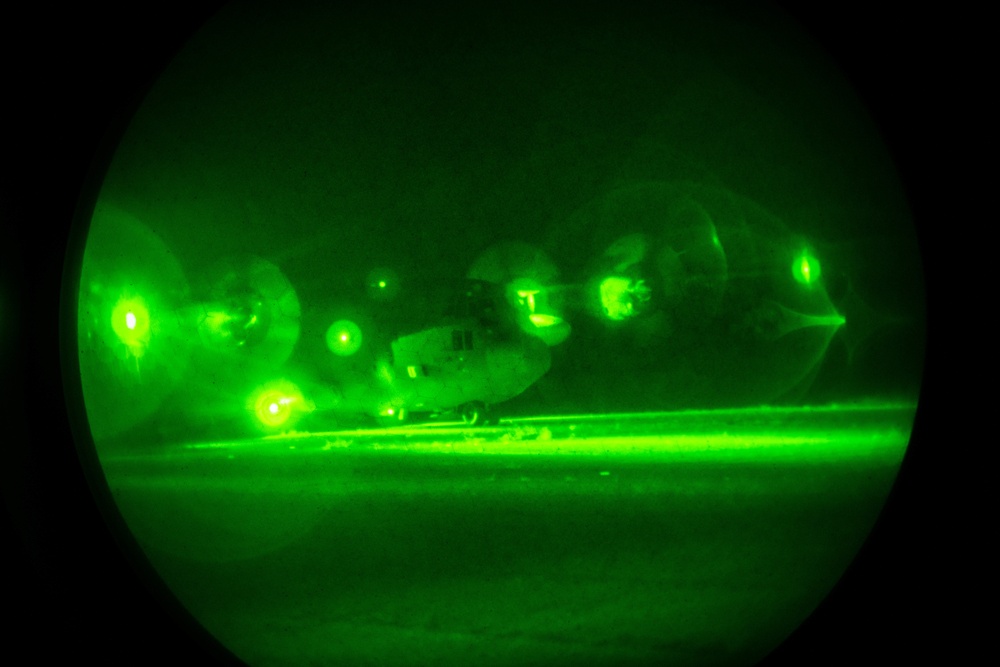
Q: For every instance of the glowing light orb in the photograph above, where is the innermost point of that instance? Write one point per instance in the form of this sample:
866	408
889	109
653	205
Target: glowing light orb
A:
619	296
131	324
277	404
215	325
392	413
805	269
382	284
343	338
542	320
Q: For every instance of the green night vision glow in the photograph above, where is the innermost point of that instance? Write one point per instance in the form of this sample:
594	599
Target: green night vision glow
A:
805	269
343	338
382	284
526	297
130	322
531	298
278	404
232	326
542	320
215	323
329	409
619	296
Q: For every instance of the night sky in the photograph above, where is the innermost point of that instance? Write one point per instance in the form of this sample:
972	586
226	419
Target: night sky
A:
332	142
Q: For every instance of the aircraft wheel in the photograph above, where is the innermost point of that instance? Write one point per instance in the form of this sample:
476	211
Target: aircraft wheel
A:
474	414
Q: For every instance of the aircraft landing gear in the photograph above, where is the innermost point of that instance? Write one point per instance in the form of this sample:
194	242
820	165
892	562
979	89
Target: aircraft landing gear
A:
392	417
475	413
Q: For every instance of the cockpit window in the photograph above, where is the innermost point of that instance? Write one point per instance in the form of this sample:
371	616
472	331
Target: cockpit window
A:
461	340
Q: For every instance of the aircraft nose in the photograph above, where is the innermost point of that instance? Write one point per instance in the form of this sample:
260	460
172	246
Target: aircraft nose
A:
537	358
523	362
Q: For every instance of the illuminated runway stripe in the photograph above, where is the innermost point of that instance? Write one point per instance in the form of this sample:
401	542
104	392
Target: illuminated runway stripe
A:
654	444
673	414
689	432
835	443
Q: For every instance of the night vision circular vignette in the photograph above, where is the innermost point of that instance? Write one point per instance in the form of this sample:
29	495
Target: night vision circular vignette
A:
546	335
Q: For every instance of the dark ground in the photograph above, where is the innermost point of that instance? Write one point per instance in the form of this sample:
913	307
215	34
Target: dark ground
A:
607	541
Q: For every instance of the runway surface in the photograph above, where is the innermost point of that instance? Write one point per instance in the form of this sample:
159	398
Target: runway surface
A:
695	538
